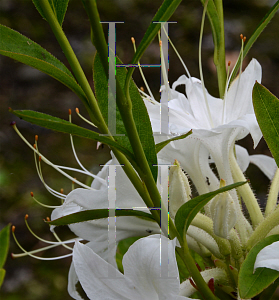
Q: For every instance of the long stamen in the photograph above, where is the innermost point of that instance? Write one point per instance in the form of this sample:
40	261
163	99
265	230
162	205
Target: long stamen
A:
42	204
85	171
141	71
40	173
48	162
181	60
165	77
148	98
34	256
84	119
226	91
200	64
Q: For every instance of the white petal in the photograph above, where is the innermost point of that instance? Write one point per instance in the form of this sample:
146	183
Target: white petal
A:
93	272
265	163
268	257
72	281
142	265
239	97
242	157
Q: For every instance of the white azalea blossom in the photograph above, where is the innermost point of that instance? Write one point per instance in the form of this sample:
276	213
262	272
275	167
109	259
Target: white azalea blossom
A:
141	278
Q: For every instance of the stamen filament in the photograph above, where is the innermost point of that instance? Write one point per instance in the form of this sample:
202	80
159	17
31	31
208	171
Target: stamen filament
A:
84	119
181	60
42	204
50	163
141	71
148	98
34	256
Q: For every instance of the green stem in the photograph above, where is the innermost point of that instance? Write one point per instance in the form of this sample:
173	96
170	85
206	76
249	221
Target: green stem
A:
263	229
189	262
273	194
221	66
246	193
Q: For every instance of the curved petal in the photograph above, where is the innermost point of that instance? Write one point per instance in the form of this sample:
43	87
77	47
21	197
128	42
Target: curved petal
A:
72	281
142	266
242	157
268	257
238	101
94	275
265	163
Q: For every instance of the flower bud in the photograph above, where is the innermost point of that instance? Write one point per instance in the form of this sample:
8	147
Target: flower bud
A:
223	213
179	188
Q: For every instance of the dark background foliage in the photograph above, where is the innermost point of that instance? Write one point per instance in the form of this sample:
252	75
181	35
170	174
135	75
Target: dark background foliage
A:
22	87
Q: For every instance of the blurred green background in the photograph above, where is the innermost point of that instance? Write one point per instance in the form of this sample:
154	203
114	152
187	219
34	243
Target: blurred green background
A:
22	87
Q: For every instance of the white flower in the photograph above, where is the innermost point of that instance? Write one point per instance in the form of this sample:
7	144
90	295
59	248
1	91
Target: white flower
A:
216	125
141	278
268	257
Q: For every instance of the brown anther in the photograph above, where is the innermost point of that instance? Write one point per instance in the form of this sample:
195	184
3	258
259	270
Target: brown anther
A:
231	267
229	63
193	284
32	194
77	110
40	158
133	40
13	123
142	88
36	138
26	217
62	191
34	146
48	219
160	43
241	36
13	228
12	256
244	39
70	111
74	181
211	285
199	268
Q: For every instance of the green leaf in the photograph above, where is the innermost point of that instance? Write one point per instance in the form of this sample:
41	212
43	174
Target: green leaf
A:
18	47
4	244
161	145
269	291
88	215
266	107
64	126
59	8
139	111
187	212
264	22
2	276
252	283
215	27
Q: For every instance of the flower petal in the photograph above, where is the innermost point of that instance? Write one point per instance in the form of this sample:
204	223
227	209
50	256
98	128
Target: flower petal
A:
268	257
142	265
93	273
265	163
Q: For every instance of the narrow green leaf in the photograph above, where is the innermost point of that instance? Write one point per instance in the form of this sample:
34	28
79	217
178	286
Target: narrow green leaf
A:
18	47
161	145
187	212
264	22
2	276
252	283
4	244
59	8
88	215
64	126
266	107
215	27
139	111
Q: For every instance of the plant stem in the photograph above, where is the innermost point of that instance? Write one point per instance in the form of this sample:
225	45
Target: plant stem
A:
189	262
221	66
